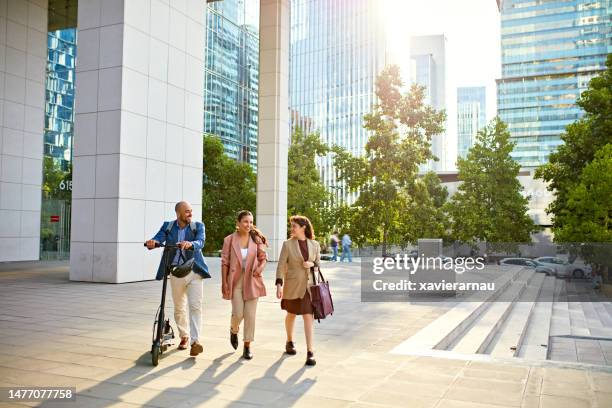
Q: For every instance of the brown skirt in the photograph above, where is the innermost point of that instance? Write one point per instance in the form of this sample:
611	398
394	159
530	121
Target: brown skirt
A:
298	306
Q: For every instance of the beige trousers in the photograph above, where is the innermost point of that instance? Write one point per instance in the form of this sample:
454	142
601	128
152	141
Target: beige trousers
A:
243	310
187	290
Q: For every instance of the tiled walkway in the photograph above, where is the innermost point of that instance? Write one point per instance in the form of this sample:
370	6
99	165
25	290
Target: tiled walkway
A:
96	337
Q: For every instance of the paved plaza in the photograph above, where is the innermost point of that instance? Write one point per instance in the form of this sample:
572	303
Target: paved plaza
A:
96	337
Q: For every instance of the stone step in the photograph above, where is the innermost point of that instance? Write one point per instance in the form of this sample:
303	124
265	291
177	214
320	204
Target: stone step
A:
602	313
608	307
535	342
592	317
578	322
448	327
509	338
560	322
477	337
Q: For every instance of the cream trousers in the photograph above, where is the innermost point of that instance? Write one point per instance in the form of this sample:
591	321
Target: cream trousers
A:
187	290
243	309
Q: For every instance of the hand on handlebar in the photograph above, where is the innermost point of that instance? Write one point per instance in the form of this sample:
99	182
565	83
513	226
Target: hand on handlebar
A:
151	244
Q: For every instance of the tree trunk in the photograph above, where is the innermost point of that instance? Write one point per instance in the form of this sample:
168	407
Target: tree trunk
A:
384	243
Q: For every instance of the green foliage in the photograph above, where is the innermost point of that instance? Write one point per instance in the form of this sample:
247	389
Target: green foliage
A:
580	142
57	183
228	187
587	214
488	205
425	215
306	194
401	126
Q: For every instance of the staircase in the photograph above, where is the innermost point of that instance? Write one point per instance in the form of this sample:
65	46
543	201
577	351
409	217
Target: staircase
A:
529	316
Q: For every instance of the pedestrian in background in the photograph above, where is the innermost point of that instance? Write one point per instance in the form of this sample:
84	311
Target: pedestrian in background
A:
346	248
333	243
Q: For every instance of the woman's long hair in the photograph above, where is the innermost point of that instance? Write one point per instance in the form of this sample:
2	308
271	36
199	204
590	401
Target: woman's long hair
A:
255	233
303	221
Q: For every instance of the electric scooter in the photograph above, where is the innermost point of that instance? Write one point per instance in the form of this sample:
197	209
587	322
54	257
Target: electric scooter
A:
163	334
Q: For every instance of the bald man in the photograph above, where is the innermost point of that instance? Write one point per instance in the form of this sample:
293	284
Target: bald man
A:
189	237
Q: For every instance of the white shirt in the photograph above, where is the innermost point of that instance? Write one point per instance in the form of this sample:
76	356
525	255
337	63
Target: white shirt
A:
244	254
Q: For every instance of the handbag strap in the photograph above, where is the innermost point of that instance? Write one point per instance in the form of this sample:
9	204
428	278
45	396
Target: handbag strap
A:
314	279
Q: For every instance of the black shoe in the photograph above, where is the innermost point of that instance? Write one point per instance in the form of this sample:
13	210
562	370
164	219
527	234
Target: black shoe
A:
310	361
246	353
234	340
290	348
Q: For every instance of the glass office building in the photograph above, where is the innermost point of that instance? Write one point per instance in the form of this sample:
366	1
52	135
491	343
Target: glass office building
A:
550	51
57	145
59	100
471	116
231	76
337	50
428	69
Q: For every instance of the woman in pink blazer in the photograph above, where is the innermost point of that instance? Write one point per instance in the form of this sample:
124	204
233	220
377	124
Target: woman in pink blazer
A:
243	259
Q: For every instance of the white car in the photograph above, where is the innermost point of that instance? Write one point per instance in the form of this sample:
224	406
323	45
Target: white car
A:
564	269
530	263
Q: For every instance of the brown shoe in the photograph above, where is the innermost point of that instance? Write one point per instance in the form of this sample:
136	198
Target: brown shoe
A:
290	348
196	348
183	344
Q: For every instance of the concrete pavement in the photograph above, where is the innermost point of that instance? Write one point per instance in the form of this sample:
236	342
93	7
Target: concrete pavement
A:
96	337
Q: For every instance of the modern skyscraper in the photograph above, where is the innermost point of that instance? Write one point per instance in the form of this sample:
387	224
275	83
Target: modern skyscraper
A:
231	76
57	147
428	69
471	116
550	51
59	104
337	50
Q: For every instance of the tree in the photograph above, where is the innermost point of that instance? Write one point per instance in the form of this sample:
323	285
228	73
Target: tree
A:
401	127
587	214
488	205
580	142
228	187
306	194
57	183
425	215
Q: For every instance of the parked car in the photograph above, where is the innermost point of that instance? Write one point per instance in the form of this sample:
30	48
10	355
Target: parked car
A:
580	270
560	266
539	267
577	270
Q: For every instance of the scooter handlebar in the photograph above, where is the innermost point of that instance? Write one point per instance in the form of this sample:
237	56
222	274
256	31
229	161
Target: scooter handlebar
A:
160	245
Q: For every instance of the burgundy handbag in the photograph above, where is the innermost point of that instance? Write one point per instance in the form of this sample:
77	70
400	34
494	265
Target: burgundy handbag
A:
320	296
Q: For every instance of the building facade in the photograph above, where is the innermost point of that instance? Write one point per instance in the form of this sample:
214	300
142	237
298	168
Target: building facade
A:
428	69
550	50
337	50
471	116
232	75
138	125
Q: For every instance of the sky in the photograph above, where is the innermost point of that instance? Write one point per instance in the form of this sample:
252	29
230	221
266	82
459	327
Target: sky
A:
472	32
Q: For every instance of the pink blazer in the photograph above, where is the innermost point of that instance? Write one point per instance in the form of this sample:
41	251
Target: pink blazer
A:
231	258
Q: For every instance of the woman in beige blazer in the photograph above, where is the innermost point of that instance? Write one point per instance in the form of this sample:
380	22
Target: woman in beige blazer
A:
294	278
243	259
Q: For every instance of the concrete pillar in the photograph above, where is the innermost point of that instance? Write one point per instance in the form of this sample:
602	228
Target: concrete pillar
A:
274	125
138	131
23	49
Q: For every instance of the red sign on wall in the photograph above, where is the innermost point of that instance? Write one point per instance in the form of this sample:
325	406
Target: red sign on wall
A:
55	218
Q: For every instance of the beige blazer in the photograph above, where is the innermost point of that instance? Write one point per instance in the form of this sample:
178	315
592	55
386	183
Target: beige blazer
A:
294	276
231	267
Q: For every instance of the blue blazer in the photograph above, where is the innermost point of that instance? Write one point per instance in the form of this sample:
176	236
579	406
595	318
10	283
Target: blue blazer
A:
196	240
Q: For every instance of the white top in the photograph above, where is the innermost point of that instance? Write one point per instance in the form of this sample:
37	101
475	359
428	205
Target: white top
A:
244	253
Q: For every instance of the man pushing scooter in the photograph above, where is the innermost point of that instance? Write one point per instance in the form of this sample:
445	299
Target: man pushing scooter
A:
186	287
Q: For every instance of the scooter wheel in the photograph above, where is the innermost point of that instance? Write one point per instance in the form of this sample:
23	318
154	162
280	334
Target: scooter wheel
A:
155	351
